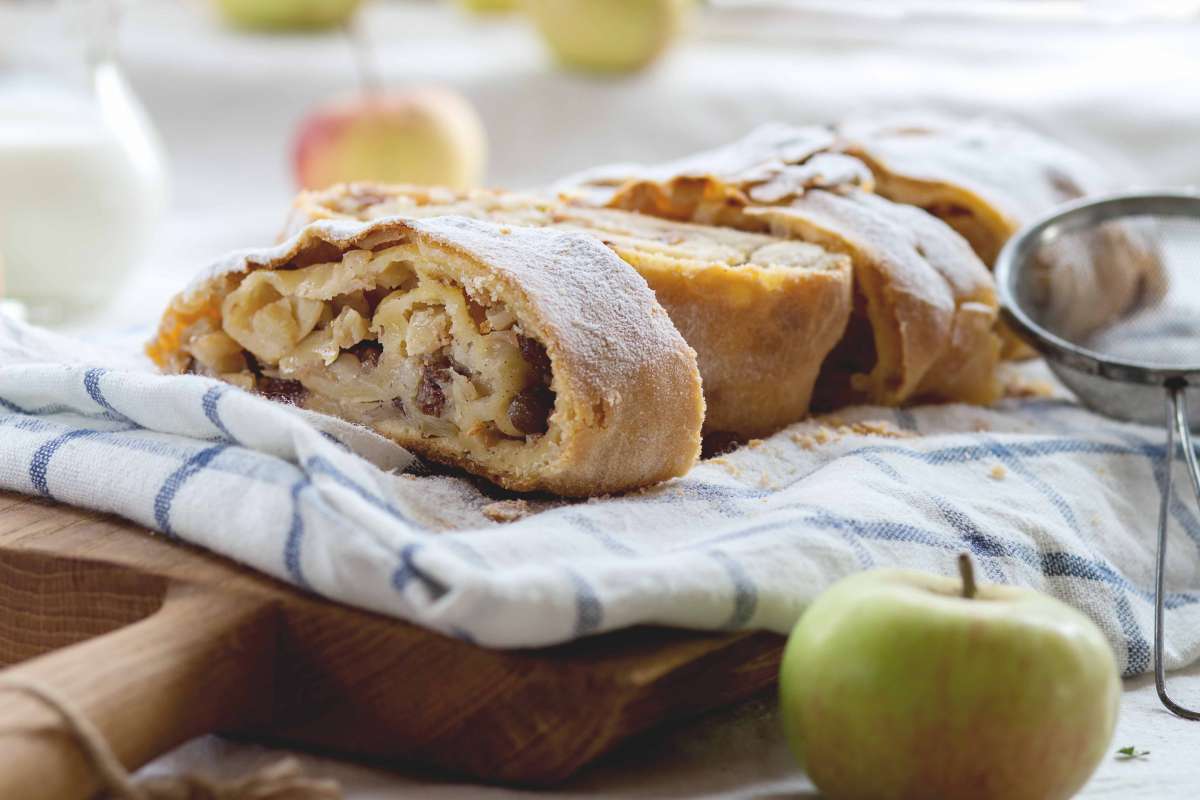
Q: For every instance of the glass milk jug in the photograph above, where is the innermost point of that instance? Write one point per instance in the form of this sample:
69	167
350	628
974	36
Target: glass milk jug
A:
82	181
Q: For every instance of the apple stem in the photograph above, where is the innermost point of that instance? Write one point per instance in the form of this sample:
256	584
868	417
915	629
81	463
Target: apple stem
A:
364	59
967	570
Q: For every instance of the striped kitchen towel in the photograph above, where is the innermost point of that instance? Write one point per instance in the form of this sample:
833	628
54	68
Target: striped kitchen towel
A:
1040	491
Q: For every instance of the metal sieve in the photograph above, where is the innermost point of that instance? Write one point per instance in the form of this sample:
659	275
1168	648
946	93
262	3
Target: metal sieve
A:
1108	290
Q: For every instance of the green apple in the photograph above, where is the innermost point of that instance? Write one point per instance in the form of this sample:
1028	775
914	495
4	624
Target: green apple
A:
898	684
607	35
285	15
489	6
428	136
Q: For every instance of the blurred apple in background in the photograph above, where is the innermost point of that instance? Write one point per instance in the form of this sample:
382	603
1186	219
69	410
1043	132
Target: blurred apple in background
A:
427	136
287	15
489	6
607	35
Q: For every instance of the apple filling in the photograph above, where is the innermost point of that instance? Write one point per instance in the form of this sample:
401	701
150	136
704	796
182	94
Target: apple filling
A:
376	339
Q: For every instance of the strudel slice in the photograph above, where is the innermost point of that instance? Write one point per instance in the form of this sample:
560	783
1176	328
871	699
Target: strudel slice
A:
925	305
536	358
761	312
987	178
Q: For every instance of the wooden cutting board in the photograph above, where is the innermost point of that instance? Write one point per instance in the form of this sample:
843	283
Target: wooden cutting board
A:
157	642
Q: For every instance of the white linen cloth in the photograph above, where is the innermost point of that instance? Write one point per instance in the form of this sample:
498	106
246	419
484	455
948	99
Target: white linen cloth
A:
1041	492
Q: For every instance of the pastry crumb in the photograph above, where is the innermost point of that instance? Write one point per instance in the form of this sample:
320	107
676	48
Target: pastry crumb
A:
825	434
998	473
821	435
728	466
754	444
879	427
804	440
506	510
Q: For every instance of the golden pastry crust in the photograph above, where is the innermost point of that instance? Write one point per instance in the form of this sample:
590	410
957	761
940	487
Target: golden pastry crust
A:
761	313
987	179
930	304
469	326
925	304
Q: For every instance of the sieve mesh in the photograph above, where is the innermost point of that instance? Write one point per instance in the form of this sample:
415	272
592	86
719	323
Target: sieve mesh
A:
1126	289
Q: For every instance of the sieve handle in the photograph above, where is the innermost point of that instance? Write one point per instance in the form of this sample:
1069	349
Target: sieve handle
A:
1177	423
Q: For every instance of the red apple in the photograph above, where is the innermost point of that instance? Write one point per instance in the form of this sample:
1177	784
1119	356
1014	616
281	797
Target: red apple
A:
427	136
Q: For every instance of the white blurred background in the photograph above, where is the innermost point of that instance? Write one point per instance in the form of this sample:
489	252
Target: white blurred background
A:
1121	80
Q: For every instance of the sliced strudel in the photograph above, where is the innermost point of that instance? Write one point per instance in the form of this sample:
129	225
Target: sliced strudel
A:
762	313
536	358
987	178
925	304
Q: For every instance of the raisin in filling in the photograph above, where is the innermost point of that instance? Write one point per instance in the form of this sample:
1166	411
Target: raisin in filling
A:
282	390
431	398
530	410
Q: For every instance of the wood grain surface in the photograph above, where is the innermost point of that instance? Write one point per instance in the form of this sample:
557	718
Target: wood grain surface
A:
157	642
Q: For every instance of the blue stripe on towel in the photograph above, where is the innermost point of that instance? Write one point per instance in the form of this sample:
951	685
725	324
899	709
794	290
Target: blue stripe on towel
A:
209	404
176	480
40	462
295	536
408	571
91	382
745	593
589	612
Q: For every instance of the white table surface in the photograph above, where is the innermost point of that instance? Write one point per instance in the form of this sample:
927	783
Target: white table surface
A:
227	106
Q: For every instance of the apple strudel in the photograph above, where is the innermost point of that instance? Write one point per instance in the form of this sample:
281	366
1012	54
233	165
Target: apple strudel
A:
925	305
535	358
762	313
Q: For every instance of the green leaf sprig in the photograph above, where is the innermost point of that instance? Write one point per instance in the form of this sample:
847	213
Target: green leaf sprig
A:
1131	753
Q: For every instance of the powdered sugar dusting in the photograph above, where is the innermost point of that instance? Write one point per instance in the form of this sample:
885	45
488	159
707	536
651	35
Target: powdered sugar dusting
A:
1020	172
598	307
778	160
